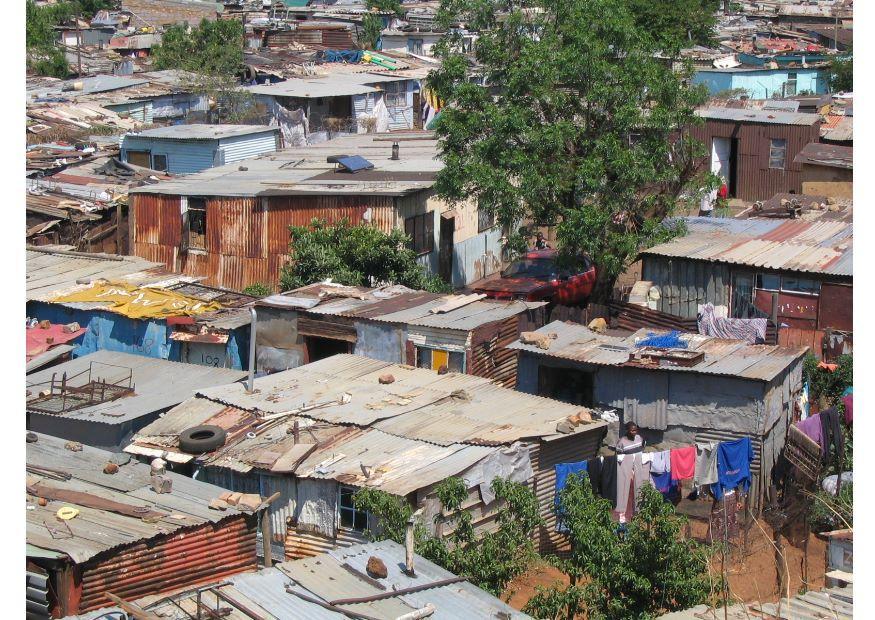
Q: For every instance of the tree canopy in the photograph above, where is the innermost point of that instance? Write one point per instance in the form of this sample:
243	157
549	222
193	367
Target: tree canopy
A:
841	74
211	48
675	24
649	570
582	125
355	255
372	27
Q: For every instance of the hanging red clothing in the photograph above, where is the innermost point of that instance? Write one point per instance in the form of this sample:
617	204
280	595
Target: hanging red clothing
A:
724	191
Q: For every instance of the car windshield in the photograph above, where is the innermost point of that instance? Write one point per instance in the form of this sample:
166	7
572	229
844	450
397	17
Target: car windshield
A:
530	268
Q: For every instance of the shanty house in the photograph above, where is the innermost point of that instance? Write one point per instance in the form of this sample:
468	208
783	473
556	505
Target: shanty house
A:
762	82
318	432
230	226
131	305
183	149
466	334
711	390
755	150
827	170
797	271
118	534
103	398
321	588
342	103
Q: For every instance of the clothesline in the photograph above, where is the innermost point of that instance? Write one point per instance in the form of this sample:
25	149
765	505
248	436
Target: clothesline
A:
720	466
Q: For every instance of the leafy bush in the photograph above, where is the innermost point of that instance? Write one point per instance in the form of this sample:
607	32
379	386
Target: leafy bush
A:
212	48
354	255
649	570
489	562
830	385
257	289
830	512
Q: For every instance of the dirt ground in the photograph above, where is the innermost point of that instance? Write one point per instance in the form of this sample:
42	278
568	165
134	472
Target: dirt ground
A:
752	576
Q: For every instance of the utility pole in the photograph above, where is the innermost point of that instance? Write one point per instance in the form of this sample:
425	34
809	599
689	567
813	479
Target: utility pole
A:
78	48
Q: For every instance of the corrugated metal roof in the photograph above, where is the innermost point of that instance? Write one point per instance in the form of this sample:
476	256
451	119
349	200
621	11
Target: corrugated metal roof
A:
202	132
54	270
398	305
95	531
338	574
299	171
826	155
420	402
732	358
159	384
773	117
812	245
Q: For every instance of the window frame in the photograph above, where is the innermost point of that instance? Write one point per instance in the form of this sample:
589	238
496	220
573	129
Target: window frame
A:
395	94
773	149
166	162
415	44
129	152
483	216
420	229
422	347
187	222
345	490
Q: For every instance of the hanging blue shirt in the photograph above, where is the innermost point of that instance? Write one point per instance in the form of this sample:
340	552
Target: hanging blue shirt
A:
562	472
664	484
733	466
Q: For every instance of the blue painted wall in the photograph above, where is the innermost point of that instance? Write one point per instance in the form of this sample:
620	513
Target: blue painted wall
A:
108	331
762	84
188	156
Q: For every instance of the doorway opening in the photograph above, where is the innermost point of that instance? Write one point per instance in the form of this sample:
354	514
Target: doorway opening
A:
320	348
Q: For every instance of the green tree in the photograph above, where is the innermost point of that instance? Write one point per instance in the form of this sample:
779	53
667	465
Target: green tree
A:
212	48
582	126
841	74
384	6
355	255
372	26
649	570
676	24
491	560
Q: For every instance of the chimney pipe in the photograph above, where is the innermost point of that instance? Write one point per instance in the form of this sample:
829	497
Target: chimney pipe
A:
408	547
395	150
250	383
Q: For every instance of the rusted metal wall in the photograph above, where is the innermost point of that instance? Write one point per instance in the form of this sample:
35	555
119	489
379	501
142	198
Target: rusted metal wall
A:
755	180
202	554
826	345
580	447
247	239
489	357
836	306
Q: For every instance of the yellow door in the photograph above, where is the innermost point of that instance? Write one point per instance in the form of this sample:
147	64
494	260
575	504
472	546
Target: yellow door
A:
439	358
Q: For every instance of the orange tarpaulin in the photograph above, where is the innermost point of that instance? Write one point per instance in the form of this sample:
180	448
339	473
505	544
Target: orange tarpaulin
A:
140	303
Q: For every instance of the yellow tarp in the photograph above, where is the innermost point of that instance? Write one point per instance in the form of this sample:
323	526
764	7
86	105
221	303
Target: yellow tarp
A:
140	303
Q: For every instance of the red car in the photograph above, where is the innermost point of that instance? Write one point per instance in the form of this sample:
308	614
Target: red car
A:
535	276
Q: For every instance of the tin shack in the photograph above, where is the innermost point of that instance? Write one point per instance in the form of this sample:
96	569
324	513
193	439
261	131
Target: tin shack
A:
755	150
465	333
103	398
230	225
710	390
116	534
319	432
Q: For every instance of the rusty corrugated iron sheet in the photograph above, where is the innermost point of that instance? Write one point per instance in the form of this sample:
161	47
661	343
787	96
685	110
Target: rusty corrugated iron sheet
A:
202	554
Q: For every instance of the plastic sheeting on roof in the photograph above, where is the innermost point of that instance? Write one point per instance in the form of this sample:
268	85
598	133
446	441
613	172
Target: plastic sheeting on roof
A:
140	303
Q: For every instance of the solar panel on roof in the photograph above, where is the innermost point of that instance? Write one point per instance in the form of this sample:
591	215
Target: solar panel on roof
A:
355	163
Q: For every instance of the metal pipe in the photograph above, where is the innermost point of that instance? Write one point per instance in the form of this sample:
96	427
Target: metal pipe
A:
394	593
250	384
416	614
408	547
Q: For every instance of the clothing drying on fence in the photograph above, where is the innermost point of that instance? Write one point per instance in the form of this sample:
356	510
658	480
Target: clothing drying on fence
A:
671	340
831	432
752	331
813	429
660	462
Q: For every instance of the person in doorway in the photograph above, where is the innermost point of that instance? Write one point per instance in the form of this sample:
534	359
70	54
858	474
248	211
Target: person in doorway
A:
540	242
632	442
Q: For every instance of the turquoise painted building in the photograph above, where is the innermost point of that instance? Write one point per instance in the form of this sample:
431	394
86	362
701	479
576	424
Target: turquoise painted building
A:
761	83
184	149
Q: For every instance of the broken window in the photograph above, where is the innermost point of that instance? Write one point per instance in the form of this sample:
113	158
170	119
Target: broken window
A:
196	233
777	153
420	229
350	516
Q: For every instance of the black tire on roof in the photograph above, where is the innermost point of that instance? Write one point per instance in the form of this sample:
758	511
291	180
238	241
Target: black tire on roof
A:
203	438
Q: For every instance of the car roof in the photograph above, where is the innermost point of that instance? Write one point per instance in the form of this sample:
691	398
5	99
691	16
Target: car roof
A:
541	254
